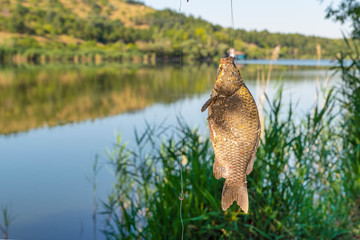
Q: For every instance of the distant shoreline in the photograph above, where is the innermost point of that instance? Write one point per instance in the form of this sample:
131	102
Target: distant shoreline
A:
291	62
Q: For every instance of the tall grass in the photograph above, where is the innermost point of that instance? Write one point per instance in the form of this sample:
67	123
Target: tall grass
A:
7	220
92	180
296	190
350	103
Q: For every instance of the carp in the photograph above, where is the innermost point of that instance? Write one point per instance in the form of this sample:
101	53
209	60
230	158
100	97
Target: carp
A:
234	132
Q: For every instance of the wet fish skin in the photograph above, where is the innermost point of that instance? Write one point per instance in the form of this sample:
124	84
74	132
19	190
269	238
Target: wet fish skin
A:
234	131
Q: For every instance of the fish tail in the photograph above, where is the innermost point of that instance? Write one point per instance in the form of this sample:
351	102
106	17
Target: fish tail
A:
235	192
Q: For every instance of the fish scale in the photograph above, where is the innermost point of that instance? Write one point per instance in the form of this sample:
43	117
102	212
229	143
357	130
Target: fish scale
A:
234	131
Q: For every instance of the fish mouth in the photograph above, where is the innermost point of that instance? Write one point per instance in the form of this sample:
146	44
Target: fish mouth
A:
226	62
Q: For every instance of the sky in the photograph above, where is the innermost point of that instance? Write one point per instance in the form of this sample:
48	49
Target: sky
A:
285	16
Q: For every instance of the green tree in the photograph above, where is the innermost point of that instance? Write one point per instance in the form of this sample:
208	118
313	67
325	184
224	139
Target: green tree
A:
347	10
17	23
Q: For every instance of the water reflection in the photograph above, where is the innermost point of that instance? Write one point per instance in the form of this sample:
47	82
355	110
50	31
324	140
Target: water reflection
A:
36	96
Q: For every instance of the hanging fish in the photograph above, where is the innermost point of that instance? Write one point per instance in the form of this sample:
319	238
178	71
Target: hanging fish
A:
234	131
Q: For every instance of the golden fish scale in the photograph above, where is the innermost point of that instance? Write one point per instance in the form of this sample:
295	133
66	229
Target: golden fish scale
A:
234	130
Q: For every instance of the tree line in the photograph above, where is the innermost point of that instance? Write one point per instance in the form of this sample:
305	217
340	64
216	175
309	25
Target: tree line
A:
198	39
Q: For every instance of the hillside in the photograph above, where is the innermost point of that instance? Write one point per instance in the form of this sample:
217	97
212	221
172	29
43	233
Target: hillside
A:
86	30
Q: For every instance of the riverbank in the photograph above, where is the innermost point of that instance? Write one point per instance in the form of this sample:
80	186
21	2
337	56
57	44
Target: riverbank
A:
37	56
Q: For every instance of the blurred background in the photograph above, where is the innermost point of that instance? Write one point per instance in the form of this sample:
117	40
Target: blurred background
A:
100	113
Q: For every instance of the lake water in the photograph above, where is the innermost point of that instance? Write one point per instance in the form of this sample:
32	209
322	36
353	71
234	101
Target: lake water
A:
55	119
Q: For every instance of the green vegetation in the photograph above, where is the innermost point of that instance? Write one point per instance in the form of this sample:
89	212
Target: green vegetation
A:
7	219
114	30
350	102
347	11
299	187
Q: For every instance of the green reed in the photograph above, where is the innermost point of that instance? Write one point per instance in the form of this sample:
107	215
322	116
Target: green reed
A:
297	189
7	220
350	102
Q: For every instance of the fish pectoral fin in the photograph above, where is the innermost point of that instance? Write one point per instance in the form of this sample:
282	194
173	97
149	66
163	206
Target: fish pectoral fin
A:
251	163
208	102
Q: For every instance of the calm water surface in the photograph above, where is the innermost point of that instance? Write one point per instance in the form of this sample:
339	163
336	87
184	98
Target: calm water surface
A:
55	119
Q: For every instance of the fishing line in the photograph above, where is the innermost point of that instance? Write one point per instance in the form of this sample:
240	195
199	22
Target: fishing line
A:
232	24
181	197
